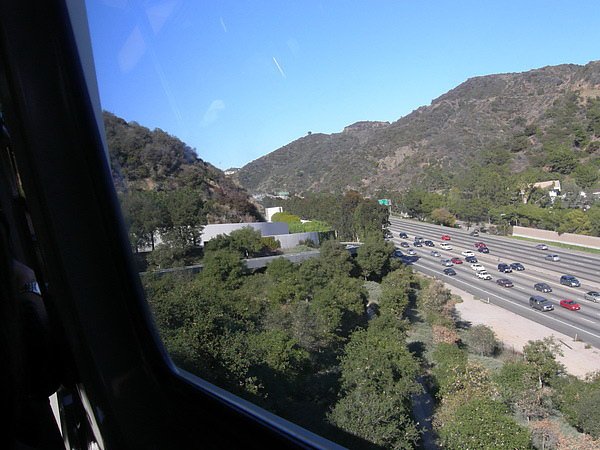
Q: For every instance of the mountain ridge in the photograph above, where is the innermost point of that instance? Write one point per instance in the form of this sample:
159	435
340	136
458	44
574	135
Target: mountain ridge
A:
482	113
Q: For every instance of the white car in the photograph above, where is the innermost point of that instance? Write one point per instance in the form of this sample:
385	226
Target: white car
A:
484	275
467	253
446	246
477	267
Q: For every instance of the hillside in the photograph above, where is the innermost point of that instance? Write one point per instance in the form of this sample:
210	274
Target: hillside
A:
529	114
152	160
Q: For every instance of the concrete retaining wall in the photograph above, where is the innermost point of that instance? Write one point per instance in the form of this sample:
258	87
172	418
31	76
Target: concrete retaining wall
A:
265	228
553	236
292	240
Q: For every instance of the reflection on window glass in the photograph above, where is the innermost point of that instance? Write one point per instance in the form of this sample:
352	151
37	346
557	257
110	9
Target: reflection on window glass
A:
294	222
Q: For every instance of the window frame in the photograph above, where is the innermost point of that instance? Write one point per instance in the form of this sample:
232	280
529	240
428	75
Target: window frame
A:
135	397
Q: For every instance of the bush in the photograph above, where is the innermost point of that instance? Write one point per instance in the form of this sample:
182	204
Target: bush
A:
481	340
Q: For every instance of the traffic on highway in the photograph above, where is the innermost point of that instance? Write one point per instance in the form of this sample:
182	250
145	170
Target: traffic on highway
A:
555	287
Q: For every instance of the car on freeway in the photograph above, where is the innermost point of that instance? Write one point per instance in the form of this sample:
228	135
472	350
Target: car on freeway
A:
403	235
474	233
483	250
517	266
503	267
479	244
446	246
419	239
542	287
569	280
467	253
398	253
471	259
411	252
418	243
449	271
541	247
552	258
388	235
429	243
540	303
445	237
570	304
447	263
404	244
456	260
484	275
593	296
477	267
504	282
435	253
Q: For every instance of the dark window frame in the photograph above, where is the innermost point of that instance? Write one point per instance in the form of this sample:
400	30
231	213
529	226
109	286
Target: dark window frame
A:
135	395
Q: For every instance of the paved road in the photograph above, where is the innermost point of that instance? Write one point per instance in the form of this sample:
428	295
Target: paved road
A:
584	323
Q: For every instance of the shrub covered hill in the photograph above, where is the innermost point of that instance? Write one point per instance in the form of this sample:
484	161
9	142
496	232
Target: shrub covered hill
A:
528	117
152	160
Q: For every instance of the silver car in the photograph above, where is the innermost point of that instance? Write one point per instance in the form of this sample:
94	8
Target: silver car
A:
552	258
592	296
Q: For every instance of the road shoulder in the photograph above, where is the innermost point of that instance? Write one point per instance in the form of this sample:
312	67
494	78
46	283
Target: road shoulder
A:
515	331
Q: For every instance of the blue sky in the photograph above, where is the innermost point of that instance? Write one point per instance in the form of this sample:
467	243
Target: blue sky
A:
238	79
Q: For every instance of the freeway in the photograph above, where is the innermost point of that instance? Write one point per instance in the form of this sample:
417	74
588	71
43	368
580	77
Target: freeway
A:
585	324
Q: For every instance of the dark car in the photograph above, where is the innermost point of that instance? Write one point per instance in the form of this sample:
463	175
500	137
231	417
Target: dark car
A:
449	271
419	239
542	287
503	267
404	244
471	259
429	243
517	266
541	303
483	249
474	233
569	280
398	254
418	244
504	282
403	235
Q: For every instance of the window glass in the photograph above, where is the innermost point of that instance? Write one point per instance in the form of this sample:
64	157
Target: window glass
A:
293	278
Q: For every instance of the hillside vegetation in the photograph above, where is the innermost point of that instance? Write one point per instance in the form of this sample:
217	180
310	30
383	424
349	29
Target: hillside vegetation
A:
545	120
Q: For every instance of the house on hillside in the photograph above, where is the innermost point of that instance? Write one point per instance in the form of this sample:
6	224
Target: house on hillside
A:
552	186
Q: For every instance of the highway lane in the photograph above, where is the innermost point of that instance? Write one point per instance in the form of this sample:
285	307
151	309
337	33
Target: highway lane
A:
584	323
585	265
537	270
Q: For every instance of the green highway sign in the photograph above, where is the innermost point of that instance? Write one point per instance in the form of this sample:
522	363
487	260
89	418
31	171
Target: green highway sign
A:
385	201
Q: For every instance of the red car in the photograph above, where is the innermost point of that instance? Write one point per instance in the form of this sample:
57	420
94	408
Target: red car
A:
570	304
456	260
445	237
479	244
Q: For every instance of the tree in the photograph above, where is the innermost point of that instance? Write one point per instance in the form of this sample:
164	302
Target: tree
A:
395	291
585	175
482	423
370	218
575	221
442	216
541	358
374	257
561	160
378	377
